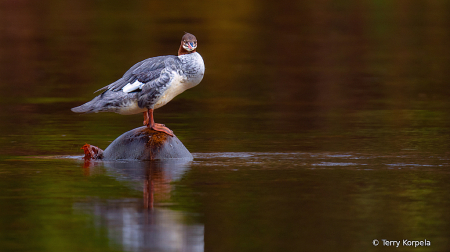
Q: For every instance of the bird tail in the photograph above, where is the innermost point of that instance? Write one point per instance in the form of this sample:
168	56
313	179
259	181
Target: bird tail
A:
88	107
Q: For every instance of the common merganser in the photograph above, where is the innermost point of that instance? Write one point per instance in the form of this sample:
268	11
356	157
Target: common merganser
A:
151	84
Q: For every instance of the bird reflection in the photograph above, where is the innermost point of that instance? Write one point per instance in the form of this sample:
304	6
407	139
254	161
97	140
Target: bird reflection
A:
154	175
149	189
146	225
156	182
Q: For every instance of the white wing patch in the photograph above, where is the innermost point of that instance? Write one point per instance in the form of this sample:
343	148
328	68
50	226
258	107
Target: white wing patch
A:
130	87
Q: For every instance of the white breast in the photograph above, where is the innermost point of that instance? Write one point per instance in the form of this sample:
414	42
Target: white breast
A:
190	76
176	87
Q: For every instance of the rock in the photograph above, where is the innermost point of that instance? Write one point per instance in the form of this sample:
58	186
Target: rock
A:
140	144
92	152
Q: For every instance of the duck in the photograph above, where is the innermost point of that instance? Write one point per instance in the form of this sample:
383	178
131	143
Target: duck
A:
151	84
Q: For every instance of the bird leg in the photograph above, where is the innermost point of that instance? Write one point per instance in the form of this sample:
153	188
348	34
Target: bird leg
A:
146	119
149	121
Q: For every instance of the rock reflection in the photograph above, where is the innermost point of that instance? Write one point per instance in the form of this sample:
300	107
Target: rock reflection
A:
144	225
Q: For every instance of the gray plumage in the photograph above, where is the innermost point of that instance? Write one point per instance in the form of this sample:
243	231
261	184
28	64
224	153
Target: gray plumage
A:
154	75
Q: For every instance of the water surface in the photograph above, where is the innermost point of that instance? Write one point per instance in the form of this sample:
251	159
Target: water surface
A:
319	126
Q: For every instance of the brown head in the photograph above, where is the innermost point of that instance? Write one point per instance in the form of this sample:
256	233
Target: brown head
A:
188	44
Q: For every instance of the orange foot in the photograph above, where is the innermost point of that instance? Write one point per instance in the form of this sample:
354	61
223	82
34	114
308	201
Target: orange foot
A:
161	128
149	122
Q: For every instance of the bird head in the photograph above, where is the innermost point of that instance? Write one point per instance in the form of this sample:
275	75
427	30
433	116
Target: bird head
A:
189	42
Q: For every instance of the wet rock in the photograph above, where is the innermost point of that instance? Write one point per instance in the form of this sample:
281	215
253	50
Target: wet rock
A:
92	152
140	144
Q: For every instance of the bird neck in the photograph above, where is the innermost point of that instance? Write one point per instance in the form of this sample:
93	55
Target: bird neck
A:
182	51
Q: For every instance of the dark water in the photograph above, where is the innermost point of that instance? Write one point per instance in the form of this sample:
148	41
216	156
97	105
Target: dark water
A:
319	126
